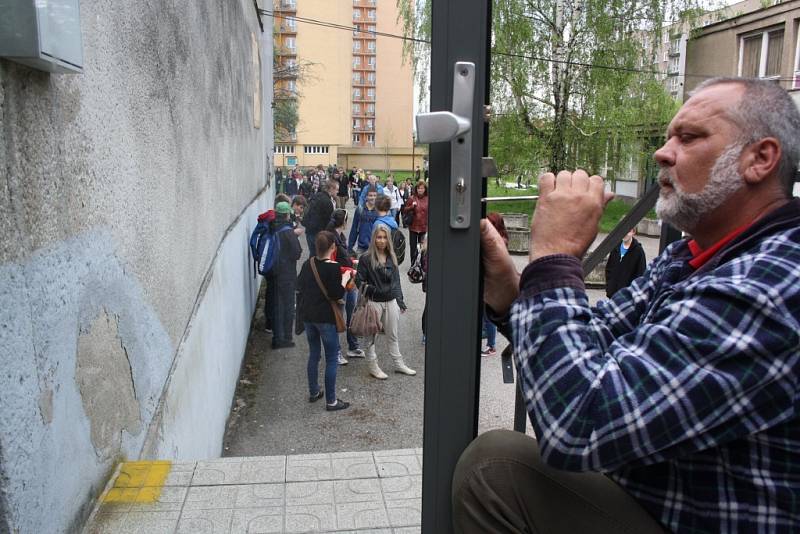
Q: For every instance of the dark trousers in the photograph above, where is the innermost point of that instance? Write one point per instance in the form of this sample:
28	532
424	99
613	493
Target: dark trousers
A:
350	299
416	238
269	302
502	485
283	311
312	247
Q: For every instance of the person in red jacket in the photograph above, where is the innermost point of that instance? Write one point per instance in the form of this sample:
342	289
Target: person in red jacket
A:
418	205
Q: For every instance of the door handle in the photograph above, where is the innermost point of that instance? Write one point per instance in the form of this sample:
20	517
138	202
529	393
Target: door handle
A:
455	127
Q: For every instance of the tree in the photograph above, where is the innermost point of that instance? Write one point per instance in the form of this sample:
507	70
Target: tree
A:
572	83
288	74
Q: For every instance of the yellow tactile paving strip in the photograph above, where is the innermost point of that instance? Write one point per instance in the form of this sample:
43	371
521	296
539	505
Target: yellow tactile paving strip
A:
139	482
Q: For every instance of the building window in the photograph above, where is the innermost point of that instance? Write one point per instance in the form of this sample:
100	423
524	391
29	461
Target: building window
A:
371	46
291	86
369	124
371	14
672	84
674	65
315	149
357	14
371	93
356	45
371	139
371	29
356	124
371	77
370	109
356	139
356	109
291	23
796	84
357	61
357	77
289	42
760	54
284	149
356	93
371	61
289	3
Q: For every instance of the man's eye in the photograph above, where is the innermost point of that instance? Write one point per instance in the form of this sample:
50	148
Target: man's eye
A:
687	138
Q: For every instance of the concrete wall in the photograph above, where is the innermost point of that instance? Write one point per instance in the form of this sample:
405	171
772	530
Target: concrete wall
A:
127	197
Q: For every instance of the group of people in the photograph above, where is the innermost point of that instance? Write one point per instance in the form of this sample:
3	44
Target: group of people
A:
340	269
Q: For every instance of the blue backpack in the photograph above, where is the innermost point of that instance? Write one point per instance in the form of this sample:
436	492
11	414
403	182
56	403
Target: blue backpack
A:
265	247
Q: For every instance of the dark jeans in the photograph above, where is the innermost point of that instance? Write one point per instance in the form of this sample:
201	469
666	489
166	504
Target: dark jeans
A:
312	247
283	311
322	335
491	331
350	299
269	302
416	238
502	485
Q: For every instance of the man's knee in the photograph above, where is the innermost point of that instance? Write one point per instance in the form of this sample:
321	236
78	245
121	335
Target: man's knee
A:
493	447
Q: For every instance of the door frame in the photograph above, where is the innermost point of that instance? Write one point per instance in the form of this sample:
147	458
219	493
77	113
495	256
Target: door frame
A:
460	31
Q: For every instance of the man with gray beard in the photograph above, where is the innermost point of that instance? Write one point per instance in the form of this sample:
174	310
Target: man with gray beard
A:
673	405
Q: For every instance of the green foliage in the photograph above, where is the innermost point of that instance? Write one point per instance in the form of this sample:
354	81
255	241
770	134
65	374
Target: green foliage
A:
285	117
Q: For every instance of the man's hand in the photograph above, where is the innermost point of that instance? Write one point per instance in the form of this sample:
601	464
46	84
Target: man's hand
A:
567	213
500	276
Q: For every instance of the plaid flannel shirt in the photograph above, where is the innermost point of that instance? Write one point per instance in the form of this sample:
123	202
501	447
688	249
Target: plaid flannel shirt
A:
682	388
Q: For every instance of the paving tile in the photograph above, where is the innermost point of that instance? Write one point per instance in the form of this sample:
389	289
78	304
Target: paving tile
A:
394	452
205	522
260	495
360	531
407	530
310	518
353	465
180	474
306	467
357	490
358	515
395	488
134	523
398	464
257	521
211	497
406	512
270	469
315	492
169	499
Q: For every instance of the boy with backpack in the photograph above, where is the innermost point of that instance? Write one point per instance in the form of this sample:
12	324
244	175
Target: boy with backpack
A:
276	249
383	205
363	219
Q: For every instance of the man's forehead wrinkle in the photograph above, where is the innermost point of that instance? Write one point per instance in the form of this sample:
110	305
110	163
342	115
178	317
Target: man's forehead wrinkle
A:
697	116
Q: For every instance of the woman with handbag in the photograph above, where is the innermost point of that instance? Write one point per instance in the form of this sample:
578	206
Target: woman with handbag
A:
378	279
320	283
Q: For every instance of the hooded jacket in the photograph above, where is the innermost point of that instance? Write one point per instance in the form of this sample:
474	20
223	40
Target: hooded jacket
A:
621	272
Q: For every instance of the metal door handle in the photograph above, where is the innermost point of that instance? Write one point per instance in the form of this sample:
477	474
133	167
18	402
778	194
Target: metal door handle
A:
456	127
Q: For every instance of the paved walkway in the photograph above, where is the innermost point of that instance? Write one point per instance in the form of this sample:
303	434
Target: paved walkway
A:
364	492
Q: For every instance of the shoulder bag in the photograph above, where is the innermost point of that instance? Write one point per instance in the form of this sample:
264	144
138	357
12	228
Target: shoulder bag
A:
341	325
366	320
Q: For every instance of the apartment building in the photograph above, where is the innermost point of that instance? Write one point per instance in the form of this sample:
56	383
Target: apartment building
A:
670	51
355	96
761	44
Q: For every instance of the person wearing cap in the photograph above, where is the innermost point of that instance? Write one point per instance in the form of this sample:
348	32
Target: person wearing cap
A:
283	277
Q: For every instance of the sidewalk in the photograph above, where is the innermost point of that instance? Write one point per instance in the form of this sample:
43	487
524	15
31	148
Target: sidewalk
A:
364	492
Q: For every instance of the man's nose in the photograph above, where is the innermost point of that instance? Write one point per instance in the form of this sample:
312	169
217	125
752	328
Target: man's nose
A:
665	156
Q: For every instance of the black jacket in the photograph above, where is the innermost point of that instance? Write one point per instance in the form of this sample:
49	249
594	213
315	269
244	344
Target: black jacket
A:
286	268
316	308
380	283
318	213
620	274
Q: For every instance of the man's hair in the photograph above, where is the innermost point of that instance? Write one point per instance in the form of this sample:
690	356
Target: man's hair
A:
383	203
765	110
372	189
331	184
299	200
281	197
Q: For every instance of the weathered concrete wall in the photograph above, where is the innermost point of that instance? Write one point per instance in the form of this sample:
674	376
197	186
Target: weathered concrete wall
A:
125	195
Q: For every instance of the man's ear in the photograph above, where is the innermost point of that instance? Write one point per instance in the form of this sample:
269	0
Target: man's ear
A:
760	160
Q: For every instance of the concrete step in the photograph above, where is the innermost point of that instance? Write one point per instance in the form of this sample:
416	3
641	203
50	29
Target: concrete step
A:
370	491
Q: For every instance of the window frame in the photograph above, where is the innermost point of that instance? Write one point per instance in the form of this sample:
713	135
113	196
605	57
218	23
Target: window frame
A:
796	80
764	57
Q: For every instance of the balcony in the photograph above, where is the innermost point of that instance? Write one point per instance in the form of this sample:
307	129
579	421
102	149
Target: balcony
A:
363	83
364	67
363	129
364	3
286	6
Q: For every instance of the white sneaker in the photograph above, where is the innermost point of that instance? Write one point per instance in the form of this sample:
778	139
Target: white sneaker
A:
356	353
342	360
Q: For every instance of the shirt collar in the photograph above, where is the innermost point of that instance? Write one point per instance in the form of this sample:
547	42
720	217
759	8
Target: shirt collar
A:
701	256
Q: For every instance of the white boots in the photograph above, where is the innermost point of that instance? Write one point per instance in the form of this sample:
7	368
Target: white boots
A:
401	367
375	371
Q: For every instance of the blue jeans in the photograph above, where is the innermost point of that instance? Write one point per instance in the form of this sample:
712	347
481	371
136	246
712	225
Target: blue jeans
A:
319	335
350	299
491	331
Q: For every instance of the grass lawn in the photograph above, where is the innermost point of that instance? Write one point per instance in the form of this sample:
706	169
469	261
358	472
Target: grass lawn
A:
614	212
398	175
